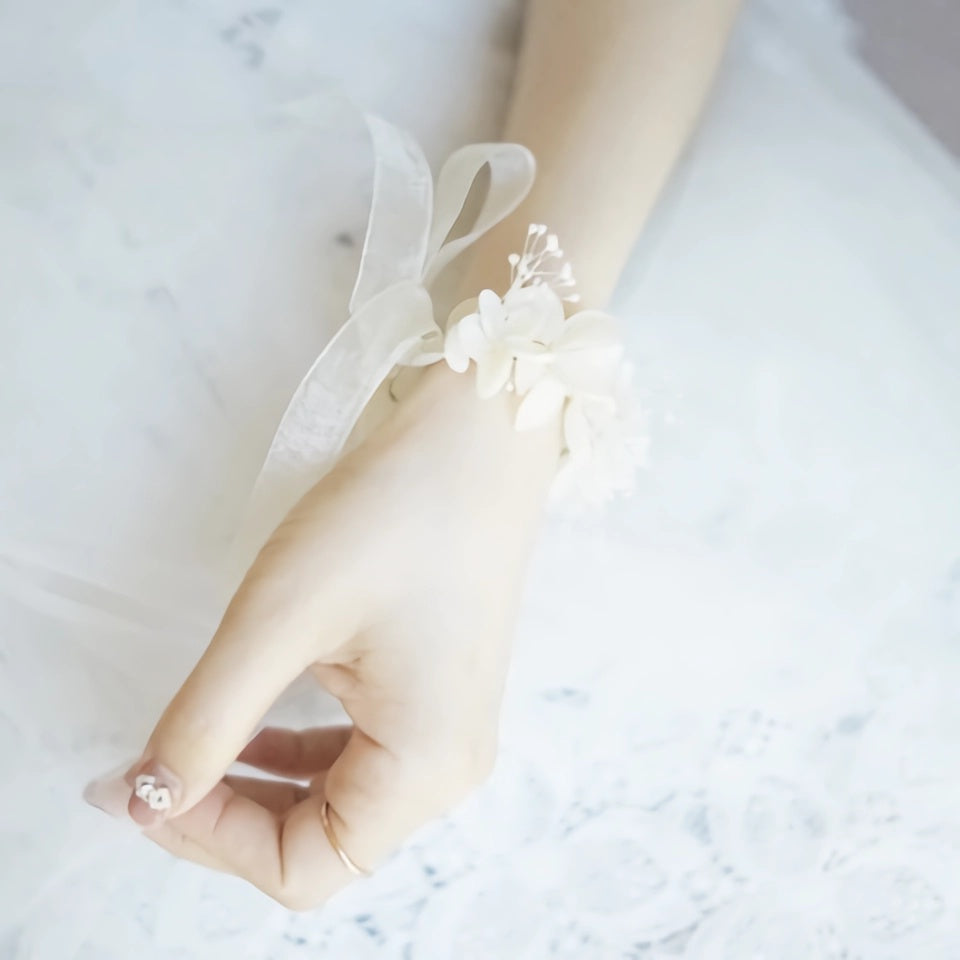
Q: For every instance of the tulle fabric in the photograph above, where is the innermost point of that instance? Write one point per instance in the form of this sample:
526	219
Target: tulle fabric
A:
730	726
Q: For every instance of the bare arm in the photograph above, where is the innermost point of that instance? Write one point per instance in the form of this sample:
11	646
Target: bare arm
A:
606	95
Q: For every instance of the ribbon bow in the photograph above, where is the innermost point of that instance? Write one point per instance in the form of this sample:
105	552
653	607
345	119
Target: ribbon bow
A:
390	312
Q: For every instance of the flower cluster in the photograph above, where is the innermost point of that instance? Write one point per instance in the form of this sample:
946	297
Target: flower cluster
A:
524	342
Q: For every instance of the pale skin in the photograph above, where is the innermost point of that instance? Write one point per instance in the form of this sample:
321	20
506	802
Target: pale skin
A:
396	579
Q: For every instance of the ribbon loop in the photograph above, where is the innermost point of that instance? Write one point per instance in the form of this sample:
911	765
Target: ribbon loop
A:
512	171
395	245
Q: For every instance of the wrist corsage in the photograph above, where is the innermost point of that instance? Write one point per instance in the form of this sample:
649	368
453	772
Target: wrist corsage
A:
525	343
568	367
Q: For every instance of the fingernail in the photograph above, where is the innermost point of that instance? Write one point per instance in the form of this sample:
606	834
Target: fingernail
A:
109	795
155	792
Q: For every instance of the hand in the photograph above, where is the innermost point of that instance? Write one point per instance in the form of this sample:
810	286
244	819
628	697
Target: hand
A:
395	581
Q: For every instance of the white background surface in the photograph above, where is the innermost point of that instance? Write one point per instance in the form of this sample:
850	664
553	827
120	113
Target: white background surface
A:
731	724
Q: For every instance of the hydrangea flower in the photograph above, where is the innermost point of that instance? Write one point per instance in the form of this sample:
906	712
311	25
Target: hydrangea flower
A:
524	342
520	325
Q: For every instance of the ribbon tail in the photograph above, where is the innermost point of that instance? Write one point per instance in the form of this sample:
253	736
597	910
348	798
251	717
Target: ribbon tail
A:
389	313
330	398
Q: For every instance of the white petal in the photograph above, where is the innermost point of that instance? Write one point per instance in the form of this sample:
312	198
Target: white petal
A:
493	314
493	372
454	351
527	372
553	324
524	324
589	371
577	433
534	312
474	340
524	347
589	329
543	401
488	301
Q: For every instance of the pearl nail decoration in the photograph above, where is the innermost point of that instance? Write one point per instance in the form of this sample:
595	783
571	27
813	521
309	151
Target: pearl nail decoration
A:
156	798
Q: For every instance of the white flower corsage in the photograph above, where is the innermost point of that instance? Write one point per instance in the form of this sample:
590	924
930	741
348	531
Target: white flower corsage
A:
524	342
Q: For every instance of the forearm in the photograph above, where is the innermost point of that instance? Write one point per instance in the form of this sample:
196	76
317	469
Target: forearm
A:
606	95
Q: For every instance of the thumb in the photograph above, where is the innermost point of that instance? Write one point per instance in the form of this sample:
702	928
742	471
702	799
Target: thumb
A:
267	638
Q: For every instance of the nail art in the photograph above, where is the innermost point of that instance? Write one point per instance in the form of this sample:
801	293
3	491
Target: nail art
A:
156	797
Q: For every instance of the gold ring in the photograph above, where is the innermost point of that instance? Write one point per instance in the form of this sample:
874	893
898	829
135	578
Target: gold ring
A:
332	837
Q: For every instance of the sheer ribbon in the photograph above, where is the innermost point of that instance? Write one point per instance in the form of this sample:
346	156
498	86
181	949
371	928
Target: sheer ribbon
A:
407	245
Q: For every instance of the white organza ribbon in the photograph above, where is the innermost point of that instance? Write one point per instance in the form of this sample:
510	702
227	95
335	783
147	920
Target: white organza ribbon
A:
391	311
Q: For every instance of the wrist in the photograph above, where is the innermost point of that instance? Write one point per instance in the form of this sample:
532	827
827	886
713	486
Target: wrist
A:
537	366
443	409
450	399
